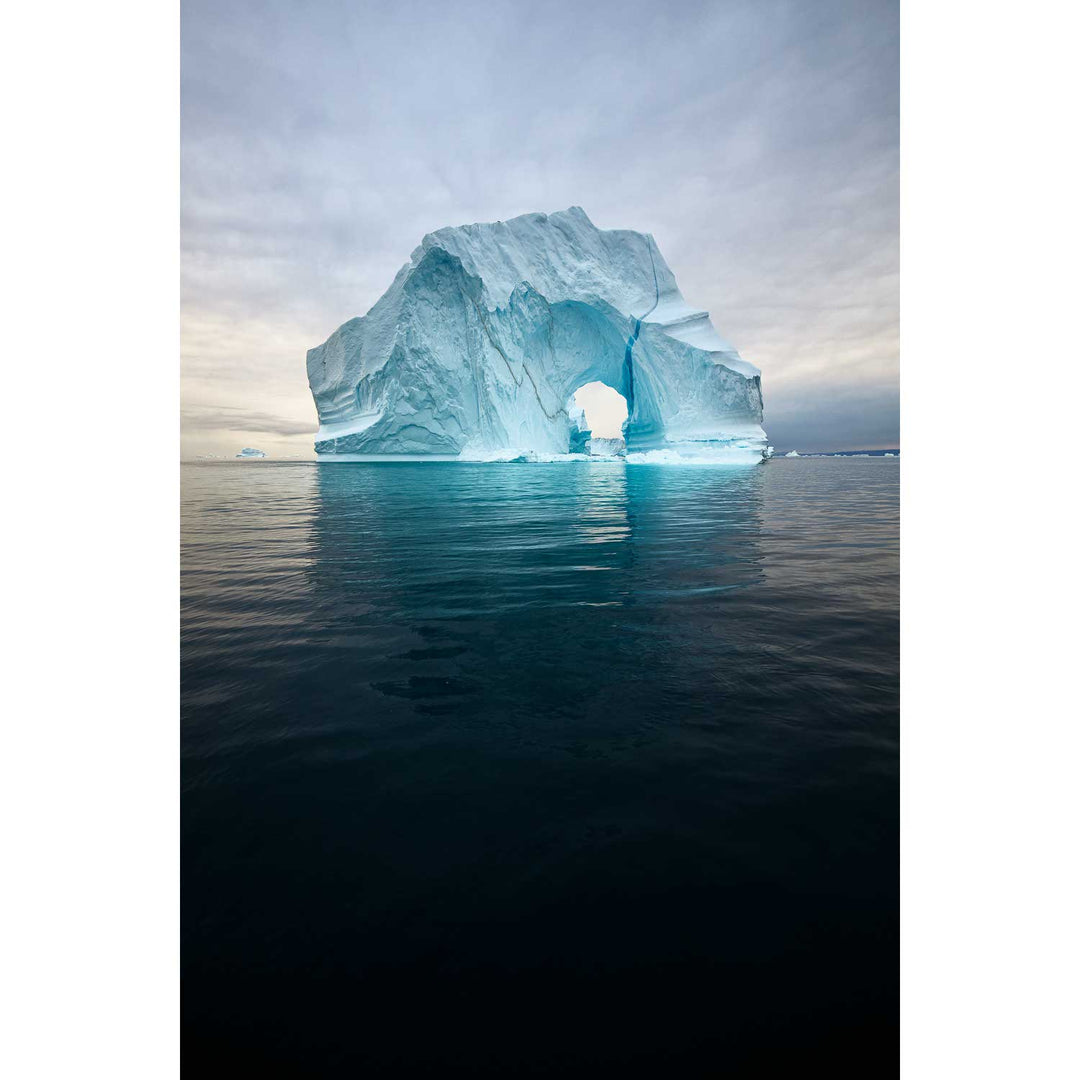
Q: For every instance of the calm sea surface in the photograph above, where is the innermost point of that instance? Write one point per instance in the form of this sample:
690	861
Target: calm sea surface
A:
573	769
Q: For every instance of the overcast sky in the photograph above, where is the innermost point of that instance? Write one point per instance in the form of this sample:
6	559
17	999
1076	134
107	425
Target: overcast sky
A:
758	141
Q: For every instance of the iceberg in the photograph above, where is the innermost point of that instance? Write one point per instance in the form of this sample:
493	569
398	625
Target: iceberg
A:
251	452
793	453
478	347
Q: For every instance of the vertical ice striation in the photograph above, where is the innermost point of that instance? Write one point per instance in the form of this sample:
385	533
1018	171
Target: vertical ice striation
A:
477	348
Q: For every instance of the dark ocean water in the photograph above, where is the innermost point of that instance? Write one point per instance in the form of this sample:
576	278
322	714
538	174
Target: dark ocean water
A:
499	770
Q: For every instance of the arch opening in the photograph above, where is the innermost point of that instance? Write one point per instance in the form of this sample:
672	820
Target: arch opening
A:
598	415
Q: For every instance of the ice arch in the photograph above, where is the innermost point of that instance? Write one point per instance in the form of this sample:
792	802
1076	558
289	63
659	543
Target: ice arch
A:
483	337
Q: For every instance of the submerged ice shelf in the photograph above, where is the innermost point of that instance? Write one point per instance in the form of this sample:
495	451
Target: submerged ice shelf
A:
476	350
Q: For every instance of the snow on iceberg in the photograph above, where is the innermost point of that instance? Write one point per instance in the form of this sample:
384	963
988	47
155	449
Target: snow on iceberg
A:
476	350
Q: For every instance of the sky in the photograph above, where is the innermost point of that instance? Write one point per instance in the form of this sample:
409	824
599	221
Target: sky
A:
757	141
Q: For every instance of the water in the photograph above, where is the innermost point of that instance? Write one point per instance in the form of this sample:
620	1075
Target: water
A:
497	770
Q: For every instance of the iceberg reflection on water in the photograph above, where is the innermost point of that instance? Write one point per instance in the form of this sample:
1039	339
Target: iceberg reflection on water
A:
591	763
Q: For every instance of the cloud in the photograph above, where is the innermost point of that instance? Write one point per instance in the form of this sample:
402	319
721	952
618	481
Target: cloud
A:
834	417
231	418
757	139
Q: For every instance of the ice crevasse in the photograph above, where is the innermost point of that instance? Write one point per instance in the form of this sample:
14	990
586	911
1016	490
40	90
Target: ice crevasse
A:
478	346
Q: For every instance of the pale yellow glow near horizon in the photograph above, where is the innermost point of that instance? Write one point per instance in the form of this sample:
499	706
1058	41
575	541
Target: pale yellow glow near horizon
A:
605	409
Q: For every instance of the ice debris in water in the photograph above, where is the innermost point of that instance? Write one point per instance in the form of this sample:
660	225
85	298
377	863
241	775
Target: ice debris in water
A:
476	350
597	447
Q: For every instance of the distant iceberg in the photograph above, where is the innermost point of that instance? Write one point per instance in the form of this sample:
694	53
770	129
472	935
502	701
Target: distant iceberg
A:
251	452
792	453
476	350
